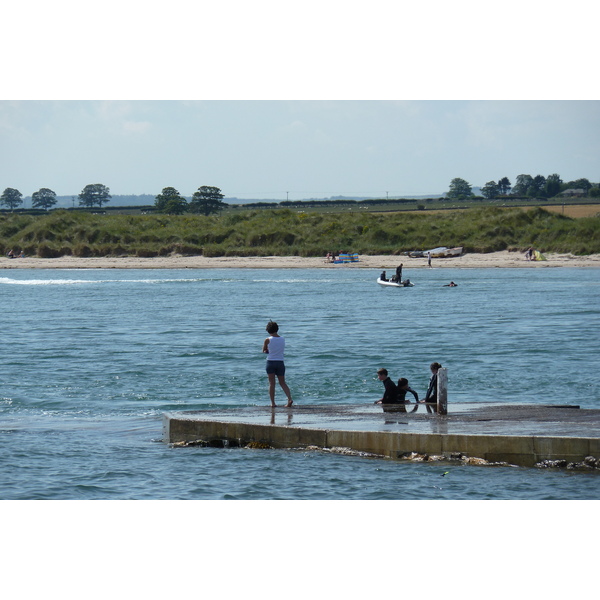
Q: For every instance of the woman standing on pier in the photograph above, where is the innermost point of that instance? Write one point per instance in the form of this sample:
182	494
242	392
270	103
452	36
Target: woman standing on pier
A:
274	347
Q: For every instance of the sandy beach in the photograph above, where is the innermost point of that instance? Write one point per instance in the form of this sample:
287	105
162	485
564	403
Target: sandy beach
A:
493	259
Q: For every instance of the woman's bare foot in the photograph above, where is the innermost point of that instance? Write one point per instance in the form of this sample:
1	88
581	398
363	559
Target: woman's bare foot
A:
289	404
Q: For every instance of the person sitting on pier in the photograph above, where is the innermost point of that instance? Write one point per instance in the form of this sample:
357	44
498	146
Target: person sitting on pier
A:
390	395
431	395
403	388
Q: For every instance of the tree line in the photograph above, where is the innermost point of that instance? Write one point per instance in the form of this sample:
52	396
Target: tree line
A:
525	186
206	200
209	199
94	194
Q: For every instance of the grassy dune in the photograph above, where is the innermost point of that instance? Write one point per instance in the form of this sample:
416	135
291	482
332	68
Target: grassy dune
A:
286	232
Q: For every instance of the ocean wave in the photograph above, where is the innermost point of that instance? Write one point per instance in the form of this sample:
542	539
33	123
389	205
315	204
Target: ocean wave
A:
10	281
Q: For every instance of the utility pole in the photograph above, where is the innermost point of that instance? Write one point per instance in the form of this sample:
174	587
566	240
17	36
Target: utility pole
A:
287	195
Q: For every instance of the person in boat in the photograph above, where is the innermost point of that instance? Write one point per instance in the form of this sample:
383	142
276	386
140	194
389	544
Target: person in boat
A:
399	273
274	347
383	276
431	395
451	284
406	282
390	394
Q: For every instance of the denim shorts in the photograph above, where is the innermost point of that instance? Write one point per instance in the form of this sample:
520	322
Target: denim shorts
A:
275	367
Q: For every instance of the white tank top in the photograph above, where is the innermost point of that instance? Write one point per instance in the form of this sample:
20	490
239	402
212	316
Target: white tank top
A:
276	346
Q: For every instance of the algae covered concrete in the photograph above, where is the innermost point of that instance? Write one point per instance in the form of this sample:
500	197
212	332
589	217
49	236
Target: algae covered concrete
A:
519	435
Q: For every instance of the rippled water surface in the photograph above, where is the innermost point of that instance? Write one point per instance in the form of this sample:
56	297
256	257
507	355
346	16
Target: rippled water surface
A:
93	358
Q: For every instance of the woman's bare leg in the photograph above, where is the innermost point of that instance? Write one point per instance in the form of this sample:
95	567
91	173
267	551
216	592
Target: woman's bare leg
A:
285	388
271	377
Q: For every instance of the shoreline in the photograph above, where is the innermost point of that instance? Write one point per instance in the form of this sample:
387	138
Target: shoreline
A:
502	259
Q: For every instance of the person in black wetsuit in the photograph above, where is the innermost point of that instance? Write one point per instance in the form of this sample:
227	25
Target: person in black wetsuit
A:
390	395
383	276
399	274
403	388
431	395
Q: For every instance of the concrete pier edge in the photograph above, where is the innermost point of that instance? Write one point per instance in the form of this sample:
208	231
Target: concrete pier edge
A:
518	450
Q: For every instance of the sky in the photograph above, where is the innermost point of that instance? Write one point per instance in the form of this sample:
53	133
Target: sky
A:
292	149
325	101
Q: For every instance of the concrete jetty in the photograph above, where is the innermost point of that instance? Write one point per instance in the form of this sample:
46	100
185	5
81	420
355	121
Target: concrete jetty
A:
523	435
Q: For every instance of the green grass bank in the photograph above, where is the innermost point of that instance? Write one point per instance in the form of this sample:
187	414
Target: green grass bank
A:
286	232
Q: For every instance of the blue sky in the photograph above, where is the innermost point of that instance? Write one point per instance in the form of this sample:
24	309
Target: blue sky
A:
270	101
295	149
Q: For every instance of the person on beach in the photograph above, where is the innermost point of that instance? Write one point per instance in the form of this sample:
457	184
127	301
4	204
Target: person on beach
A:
390	395
274	347
429	260
529	253
431	395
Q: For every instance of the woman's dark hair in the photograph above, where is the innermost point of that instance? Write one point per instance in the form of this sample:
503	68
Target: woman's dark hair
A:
272	327
436	365
402	381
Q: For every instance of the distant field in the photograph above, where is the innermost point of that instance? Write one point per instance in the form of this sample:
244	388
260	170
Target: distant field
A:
576	211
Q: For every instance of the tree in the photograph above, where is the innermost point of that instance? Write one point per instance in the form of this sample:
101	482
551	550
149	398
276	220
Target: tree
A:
94	193
504	186
43	198
536	186
459	188
169	201
207	200
11	198
581	184
594	192
522	185
490	189
553	185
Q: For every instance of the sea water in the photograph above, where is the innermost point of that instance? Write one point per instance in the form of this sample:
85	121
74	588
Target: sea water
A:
92	359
